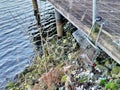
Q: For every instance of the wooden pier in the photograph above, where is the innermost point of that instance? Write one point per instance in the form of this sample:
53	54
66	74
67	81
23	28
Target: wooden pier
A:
79	13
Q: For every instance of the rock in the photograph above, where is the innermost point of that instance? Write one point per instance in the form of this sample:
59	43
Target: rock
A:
101	68
114	76
95	87
29	88
78	88
73	72
91	75
65	41
61	88
83	74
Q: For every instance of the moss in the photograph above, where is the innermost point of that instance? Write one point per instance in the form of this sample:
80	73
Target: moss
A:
118	81
64	78
115	70
102	82
83	79
96	28
111	86
10	85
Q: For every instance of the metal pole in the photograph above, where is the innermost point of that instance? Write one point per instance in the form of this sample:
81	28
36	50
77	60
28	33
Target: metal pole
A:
36	11
95	11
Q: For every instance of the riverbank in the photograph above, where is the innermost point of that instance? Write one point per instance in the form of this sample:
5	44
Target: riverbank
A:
60	67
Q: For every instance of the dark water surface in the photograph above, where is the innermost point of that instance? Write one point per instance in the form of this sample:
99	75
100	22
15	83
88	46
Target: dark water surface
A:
15	47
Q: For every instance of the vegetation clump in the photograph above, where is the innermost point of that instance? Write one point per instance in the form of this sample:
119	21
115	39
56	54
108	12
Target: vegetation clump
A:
111	86
60	67
54	56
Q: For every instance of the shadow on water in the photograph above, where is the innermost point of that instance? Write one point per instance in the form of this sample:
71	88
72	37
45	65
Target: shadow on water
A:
46	12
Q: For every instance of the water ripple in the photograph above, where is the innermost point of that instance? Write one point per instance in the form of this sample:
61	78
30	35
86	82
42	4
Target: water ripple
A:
15	47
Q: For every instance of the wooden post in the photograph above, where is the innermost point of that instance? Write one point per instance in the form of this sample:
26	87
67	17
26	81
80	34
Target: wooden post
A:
59	23
36	11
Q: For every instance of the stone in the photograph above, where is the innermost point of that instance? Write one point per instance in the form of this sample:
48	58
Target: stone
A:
61	88
101	68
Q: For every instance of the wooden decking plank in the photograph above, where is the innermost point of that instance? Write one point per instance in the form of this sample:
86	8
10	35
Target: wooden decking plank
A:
75	14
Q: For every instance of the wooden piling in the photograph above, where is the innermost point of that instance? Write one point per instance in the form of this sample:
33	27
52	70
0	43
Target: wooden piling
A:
59	23
36	11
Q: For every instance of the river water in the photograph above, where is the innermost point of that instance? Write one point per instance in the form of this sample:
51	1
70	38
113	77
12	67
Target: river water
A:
17	26
16	51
